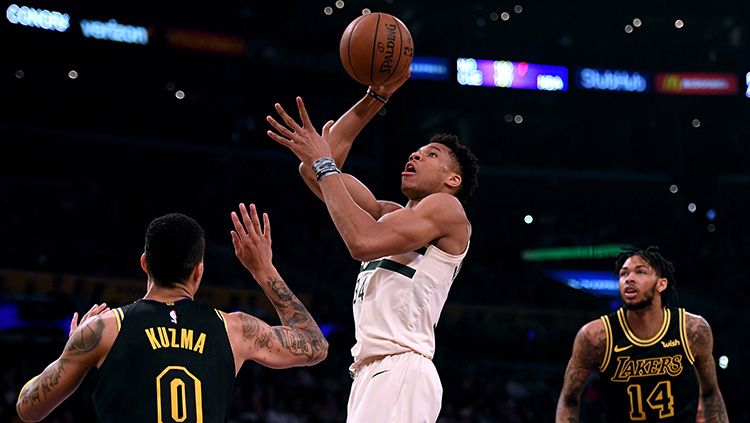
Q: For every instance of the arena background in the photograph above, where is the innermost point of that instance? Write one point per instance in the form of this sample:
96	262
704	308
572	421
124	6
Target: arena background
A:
98	136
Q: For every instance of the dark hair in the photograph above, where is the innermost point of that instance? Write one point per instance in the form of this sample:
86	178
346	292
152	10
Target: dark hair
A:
468	164
174	246
663	267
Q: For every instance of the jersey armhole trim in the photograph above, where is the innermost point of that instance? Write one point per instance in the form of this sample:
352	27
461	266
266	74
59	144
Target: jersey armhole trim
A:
119	317
684	337
608	351
223	320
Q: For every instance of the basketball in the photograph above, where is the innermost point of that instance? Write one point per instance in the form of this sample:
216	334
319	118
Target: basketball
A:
375	48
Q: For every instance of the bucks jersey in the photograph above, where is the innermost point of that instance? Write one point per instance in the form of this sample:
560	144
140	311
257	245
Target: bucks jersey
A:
649	379
170	362
398	300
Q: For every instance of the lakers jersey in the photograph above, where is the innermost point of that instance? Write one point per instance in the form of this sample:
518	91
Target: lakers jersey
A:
649	380
398	300
170	362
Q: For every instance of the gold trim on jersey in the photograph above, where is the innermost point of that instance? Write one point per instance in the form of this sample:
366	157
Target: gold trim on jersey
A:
119	317
608	350
684	337
644	342
221	316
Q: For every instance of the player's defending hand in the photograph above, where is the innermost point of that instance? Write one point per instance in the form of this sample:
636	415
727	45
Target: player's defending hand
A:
252	243
93	311
304	141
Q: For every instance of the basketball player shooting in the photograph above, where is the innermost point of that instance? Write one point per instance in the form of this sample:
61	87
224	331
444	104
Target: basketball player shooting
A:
410	255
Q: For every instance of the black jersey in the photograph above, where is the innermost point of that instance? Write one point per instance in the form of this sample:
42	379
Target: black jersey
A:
648	380
170	362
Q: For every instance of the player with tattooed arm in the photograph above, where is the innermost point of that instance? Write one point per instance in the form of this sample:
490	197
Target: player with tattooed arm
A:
655	360
167	358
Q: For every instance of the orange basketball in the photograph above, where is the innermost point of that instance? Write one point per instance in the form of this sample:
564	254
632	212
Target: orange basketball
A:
375	48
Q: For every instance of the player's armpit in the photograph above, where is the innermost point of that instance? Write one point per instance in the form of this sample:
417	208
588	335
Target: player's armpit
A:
701	342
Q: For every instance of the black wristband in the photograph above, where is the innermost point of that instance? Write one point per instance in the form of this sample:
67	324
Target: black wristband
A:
324	166
377	96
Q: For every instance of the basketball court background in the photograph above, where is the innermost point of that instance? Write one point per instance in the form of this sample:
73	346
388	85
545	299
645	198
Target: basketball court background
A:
138	109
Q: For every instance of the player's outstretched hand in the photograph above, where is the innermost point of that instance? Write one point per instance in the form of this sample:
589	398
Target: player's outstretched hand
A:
304	141
252	243
93	311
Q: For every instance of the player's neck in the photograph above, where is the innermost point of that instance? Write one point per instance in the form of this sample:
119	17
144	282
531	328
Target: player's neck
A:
646	322
165	295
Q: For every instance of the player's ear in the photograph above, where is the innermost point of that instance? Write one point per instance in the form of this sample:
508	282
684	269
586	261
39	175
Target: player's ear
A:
454	181
662	284
198	271
143	263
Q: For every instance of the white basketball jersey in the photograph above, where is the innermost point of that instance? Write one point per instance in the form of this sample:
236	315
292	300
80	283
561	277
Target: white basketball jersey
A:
398	300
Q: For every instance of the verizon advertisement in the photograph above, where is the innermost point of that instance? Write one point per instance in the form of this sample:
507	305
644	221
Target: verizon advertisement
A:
684	83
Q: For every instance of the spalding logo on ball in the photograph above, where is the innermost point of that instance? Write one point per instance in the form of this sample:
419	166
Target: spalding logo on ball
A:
375	48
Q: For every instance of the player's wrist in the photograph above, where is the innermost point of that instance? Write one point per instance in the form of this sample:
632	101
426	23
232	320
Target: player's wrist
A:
382	98
323	167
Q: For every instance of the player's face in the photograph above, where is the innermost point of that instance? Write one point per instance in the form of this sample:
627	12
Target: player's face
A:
427	171
639	283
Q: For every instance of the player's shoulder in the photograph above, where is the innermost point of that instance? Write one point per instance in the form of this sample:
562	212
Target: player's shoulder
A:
241	322
593	330
444	203
696	325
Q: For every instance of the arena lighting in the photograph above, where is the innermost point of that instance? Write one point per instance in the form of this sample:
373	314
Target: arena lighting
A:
37	18
723	362
747	83
595	282
506	74
434	68
612	80
572	253
113	31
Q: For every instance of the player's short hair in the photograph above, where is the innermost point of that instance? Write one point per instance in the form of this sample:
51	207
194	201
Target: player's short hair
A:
663	267
174	246
468	164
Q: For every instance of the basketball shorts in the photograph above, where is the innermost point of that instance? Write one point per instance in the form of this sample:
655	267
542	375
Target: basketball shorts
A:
400	388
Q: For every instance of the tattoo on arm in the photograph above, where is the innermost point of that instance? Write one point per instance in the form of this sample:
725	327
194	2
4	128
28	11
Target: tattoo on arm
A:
86	338
588	351
701	345
299	335
43	384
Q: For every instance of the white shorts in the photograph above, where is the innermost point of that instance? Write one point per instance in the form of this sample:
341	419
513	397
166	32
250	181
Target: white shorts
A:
400	388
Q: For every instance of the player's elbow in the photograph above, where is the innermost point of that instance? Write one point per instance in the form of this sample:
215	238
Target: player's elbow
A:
28	415
360	253
322	352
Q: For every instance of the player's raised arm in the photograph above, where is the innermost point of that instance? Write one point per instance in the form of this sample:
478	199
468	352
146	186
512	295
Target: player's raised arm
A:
701	345
588	352
341	137
298	341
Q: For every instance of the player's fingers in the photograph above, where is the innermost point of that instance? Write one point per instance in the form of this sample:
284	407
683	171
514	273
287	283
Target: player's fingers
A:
266	227
235	242
240	230
286	118
279	139
255	220
327	129
73	323
283	130
306	122
247	221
